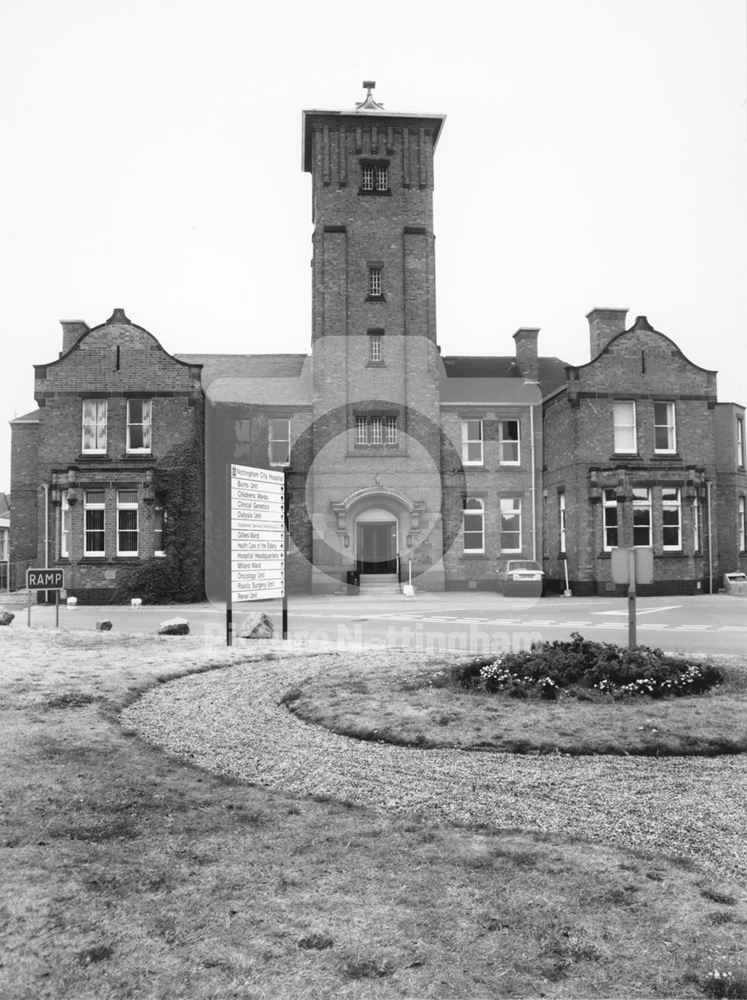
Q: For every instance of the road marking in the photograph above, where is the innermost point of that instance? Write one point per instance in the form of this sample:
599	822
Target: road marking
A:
639	611
691	628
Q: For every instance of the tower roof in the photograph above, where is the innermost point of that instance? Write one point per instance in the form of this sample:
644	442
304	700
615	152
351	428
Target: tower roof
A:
366	109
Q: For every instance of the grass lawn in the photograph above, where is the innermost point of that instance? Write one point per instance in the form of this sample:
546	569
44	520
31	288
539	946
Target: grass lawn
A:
127	874
413	705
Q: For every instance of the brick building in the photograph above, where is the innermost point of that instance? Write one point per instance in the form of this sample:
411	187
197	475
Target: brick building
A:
637	453
105	469
399	460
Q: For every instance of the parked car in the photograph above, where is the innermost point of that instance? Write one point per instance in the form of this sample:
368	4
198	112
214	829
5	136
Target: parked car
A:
520	576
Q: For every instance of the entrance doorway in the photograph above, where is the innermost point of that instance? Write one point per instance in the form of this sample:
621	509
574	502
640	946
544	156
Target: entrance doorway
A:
376	546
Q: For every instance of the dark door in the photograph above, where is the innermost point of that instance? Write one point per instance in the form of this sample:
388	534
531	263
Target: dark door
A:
377	547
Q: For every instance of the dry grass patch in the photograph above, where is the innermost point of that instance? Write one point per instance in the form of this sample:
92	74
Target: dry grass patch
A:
415	701
130	875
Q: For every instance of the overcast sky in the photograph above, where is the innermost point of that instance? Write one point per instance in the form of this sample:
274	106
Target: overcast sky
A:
594	154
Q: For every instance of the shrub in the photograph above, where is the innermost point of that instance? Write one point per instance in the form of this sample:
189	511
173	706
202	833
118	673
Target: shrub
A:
580	665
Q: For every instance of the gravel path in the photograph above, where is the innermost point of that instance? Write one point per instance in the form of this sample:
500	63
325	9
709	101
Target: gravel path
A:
230	721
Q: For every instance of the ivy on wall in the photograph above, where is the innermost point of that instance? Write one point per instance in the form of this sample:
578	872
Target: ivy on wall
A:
179	576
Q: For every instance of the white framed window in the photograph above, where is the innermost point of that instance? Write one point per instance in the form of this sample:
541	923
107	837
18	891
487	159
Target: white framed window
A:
671	518
510	524
139	412
642	517
279	441
665	435
361	430
127	523
624	426
94	515
64	526
159	524
375	177
472	442
740	443
611	520
508	442
741	525
473	516
561	520
94	426
376	430
376	347
375	283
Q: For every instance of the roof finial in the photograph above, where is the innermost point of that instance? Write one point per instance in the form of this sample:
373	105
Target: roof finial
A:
369	104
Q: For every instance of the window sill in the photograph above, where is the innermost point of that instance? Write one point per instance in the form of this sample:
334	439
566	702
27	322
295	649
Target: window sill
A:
625	456
365	193
670	455
474	555
375	364
93	456
134	456
376	298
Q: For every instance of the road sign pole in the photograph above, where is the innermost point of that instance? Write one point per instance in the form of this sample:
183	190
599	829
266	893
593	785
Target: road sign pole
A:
56	609
29	622
632	642
229	578
286	539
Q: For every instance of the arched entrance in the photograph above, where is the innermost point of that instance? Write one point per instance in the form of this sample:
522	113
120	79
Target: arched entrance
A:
376	541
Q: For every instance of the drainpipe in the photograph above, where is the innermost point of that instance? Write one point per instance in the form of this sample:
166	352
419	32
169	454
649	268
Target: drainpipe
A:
45	487
710	538
534	486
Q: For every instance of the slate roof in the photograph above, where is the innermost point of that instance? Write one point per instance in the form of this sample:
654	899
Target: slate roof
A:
486	391
245	366
551	370
285	378
28	418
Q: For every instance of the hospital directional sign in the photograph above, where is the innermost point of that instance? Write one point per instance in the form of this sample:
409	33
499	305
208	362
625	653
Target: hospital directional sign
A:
257	533
45	579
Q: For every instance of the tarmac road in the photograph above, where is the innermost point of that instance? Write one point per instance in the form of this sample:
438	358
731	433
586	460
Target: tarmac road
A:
478	621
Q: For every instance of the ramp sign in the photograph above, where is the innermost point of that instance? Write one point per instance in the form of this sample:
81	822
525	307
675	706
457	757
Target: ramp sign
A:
45	579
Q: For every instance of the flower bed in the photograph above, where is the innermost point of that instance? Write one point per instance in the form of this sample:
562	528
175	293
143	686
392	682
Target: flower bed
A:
579	668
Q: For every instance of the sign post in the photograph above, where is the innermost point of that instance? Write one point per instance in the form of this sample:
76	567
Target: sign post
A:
256	539
632	638
632	566
46	579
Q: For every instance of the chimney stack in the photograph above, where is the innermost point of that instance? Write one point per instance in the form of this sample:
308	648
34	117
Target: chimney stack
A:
526	353
72	331
604	324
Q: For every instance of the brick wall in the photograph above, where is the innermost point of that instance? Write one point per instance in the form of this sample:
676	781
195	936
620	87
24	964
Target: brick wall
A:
24	489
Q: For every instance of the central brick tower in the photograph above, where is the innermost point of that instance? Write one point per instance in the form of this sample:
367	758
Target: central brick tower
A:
372	209
376	369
